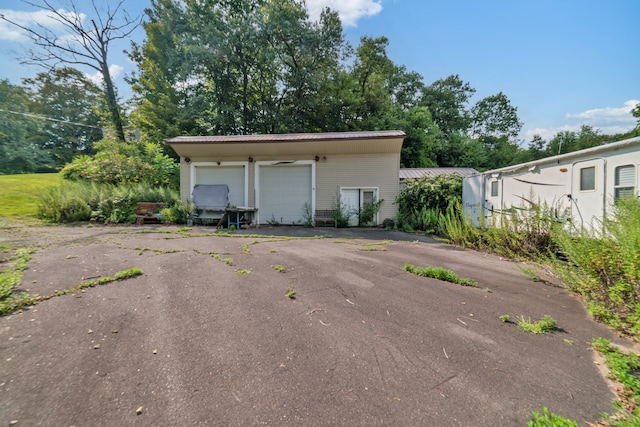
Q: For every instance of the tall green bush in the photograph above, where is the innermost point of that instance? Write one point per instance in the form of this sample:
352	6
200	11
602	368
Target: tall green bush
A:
117	162
422	201
103	203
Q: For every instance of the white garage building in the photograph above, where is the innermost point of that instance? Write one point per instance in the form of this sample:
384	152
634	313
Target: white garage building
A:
282	174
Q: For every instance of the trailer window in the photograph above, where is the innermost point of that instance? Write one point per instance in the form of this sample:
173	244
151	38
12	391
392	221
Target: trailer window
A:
494	188
624	179
588	179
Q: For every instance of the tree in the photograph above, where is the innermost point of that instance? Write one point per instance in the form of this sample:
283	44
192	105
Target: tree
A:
83	44
161	110
68	100
17	153
447	100
495	116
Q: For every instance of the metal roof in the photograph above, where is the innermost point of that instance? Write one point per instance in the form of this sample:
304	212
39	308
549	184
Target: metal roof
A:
417	173
285	137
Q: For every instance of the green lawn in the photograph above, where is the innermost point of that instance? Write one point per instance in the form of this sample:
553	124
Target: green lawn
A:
19	193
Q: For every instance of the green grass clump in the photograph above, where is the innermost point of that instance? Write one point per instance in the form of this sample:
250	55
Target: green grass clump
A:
543	326
11	275
104	203
19	195
290	293
549	419
279	268
440	274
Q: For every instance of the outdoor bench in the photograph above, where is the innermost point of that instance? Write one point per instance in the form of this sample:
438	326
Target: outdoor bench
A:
326	217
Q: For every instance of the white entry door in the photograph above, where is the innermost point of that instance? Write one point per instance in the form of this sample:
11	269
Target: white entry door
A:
588	193
355	199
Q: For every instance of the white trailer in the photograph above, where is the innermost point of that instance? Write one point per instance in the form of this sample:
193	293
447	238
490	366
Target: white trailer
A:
578	187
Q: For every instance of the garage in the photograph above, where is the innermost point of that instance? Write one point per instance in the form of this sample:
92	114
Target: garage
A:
284	190
234	175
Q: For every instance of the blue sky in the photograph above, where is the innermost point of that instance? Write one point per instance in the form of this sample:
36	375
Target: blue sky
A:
562	63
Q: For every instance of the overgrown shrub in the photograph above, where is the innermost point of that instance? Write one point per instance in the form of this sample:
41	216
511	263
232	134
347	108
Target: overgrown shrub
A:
341	213
117	162
604	267
178	212
103	203
516	233
422	202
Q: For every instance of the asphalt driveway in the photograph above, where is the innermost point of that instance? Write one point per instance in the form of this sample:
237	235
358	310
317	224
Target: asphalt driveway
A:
207	336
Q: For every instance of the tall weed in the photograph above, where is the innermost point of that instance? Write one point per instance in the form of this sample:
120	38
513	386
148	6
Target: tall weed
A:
104	203
605	267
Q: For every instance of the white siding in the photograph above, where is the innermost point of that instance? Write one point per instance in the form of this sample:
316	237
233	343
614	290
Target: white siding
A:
379	171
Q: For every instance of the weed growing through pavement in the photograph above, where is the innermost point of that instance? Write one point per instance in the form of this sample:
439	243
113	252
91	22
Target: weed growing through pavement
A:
279	268
440	274
543	326
16	301
505	318
216	256
291	293
243	272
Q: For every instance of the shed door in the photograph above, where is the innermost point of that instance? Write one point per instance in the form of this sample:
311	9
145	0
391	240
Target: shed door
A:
284	190
233	176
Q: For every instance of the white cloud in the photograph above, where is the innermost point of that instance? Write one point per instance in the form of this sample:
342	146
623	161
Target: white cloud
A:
350	11
31	20
114	69
608	114
608	120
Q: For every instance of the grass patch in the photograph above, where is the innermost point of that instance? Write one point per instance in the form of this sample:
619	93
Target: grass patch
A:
440	274
549	419
11	276
543	326
16	301
19	196
279	268
243	272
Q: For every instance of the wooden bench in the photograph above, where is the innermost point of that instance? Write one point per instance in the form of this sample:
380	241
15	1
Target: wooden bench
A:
146	213
326	217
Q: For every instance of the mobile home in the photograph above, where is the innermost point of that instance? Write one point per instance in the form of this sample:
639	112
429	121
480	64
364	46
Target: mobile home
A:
577	187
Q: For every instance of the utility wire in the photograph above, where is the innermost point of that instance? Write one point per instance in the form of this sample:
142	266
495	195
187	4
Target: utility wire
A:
49	118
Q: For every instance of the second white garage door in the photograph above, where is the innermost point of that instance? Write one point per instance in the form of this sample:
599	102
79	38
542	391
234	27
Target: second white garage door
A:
284	191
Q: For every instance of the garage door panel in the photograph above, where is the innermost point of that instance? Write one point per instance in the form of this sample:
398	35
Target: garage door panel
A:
284	190
233	176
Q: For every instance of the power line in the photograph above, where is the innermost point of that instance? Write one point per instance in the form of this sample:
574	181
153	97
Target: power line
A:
50	119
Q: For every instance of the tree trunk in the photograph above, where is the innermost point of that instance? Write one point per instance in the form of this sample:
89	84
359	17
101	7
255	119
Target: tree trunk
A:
112	104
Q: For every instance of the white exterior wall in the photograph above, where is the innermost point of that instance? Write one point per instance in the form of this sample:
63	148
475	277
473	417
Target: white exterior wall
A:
555	182
332	172
380	171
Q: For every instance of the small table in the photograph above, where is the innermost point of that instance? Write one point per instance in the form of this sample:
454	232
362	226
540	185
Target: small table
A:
240	215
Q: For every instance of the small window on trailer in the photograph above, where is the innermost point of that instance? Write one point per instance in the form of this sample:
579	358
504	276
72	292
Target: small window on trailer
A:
624	179
588	178
494	188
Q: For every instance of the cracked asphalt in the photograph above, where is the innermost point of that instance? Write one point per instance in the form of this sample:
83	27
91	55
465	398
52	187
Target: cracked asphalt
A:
207	336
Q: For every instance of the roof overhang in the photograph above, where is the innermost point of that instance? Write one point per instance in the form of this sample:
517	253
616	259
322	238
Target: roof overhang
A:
298	144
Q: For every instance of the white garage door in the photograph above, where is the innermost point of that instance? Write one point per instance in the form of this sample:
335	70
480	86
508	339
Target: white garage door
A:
284	190
233	176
